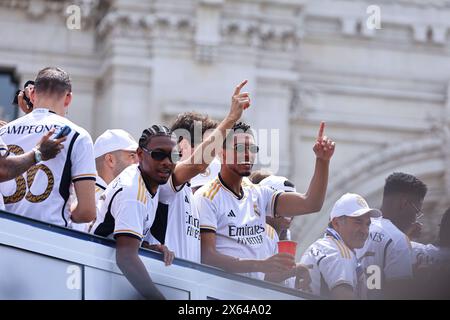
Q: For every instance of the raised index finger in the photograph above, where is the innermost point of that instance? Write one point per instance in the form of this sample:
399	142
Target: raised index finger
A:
321	129
239	87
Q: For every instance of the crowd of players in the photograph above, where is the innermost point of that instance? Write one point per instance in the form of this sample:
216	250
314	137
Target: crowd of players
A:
189	192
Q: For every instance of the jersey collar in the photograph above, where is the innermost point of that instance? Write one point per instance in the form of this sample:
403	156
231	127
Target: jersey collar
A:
238	196
146	184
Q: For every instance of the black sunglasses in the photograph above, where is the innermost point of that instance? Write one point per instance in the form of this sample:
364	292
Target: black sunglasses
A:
159	155
241	147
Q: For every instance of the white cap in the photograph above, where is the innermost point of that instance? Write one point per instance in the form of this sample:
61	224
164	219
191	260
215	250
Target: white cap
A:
278	183
210	173
352	205
113	140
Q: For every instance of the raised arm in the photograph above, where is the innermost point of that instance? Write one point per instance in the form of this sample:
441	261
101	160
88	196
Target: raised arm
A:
292	204
197	163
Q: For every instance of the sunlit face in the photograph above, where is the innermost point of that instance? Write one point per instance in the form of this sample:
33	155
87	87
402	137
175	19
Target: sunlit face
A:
240	156
158	171
353	230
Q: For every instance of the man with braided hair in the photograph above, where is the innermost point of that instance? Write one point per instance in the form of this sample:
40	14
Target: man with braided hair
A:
128	206
177	225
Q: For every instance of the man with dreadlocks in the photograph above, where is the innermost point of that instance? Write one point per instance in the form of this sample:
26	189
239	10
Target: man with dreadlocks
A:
128	206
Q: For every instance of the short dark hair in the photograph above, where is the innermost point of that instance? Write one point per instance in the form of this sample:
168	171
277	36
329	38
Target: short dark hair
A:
400	182
154	131
444	230
52	81
240	127
186	121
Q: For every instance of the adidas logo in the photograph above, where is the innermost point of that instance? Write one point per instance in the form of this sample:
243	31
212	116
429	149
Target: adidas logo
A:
231	214
186	199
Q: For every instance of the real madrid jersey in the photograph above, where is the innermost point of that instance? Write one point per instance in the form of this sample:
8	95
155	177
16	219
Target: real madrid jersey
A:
239	221
127	207
389	249
331	263
42	191
177	225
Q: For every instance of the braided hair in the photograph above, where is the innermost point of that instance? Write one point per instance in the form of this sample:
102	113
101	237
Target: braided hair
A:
154	131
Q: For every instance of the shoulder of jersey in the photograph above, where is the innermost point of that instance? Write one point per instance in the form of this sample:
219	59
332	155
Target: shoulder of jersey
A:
246	183
329	245
131	183
73	126
210	189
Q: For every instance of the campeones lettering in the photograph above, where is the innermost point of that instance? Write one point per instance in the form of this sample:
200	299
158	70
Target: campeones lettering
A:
27	129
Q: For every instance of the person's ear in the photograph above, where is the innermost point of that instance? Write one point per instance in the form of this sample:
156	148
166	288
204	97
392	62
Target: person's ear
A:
68	99
140	154
32	95
109	160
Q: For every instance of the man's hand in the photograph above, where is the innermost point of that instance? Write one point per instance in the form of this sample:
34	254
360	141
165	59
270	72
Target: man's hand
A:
50	148
239	102
3	123
168	255
302	278
278	263
324	147
23	105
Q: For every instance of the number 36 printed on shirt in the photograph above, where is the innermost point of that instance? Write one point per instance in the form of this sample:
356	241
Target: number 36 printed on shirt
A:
22	185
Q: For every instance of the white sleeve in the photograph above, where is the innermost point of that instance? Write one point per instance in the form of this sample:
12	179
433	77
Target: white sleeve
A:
151	239
129	218
337	270
3	148
207	212
269	198
82	157
2	203
399	260
168	191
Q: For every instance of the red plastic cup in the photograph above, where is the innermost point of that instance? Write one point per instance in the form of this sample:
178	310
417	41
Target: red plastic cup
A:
287	246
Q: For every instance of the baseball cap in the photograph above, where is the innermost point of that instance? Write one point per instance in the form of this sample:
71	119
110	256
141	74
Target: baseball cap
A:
210	173
352	205
278	183
113	140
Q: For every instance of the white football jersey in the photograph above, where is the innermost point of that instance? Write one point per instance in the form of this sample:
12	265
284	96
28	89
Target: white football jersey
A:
177	225
3	148
3	152
42	192
389	249
239	221
100	187
426	255
127	207
331	263
272	249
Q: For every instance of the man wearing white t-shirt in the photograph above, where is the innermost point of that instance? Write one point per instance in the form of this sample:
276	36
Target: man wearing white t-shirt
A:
42	193
332	260
114	150
177	225
128	206
233	210
388	247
